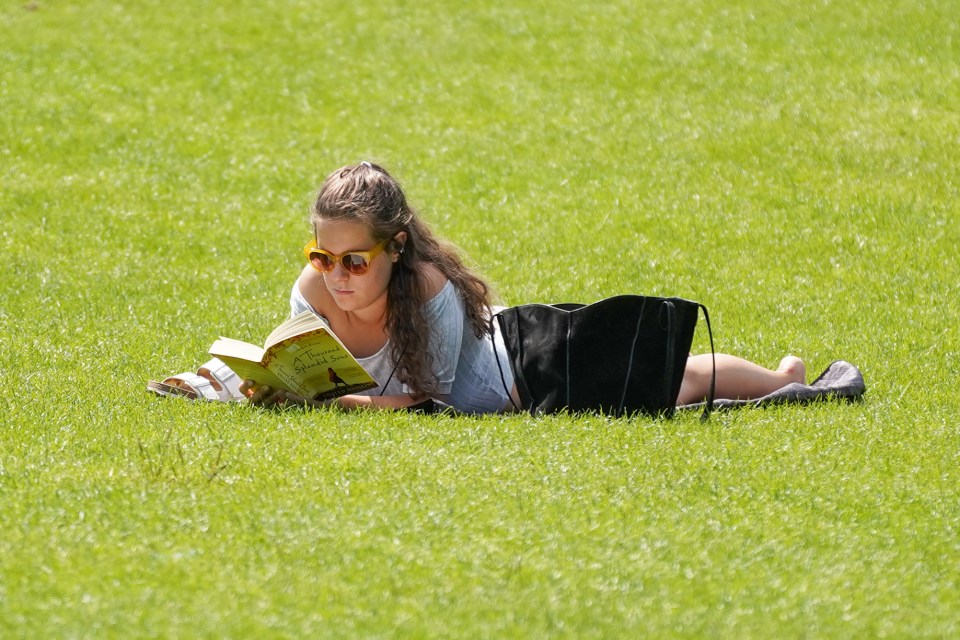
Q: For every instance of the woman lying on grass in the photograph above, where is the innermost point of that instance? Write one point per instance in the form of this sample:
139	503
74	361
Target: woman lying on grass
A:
414	316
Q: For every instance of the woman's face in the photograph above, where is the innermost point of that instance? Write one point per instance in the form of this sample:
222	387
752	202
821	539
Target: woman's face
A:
353	292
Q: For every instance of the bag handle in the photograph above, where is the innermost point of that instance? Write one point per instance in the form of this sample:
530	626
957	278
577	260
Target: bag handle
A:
671	348
713	378
496	356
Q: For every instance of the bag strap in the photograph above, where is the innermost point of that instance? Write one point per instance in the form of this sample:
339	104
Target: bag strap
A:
566	367
633	351
393	371
496	356
713	379
671	350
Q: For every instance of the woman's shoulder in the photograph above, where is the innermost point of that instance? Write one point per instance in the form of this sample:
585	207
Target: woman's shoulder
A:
433	281
312	290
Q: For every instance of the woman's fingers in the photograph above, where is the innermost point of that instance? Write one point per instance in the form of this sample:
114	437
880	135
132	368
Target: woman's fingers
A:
261	394
266	396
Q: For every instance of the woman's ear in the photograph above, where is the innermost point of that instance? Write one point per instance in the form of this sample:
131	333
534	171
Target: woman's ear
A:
398	244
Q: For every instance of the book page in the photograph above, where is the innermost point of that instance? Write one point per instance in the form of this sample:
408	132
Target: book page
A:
244	359
303	322
236	349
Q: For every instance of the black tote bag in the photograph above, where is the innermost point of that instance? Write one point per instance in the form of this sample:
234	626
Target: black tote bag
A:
618	356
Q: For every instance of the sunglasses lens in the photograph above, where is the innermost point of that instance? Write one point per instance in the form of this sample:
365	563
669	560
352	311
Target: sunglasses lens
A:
321	261
355	264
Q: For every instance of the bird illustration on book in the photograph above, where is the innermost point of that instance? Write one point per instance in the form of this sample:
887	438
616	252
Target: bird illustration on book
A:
334	378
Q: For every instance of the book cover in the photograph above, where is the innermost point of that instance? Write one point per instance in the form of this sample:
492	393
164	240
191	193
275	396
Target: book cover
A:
302	355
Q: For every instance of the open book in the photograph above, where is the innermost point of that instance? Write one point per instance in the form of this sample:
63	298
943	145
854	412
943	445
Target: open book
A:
302	355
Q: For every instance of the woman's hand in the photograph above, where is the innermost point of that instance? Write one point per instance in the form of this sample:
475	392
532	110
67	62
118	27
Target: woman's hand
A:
265	396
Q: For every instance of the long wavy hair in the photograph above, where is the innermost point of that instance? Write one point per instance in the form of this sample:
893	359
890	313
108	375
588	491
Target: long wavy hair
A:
367	194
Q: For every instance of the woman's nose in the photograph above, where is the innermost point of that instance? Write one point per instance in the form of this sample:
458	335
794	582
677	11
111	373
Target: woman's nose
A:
338	272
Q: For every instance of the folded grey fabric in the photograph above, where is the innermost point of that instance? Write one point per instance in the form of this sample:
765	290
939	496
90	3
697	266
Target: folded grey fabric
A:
841	380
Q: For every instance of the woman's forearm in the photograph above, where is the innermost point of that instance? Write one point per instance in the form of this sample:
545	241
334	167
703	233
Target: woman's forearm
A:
399	401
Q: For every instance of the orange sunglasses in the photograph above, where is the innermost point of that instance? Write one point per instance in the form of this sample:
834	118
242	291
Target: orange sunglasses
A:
355	263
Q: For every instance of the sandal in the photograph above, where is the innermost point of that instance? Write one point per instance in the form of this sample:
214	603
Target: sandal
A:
214	381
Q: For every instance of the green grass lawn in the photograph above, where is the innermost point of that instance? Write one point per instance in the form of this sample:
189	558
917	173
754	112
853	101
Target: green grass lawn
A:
795	166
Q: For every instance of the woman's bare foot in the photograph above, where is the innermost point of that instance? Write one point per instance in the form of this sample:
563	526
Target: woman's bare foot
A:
793	369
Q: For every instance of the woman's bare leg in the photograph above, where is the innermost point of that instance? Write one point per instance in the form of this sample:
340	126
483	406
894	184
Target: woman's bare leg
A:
736	378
